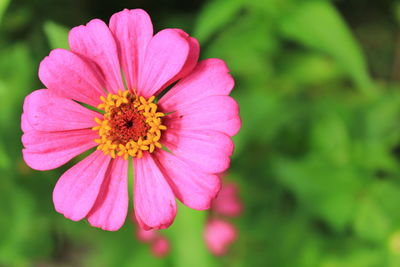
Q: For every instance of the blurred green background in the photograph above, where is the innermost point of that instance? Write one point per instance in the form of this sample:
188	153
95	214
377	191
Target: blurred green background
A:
317	159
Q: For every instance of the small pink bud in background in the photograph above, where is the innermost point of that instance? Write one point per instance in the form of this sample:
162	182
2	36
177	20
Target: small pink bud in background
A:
160	247
228	203
145	236
219	235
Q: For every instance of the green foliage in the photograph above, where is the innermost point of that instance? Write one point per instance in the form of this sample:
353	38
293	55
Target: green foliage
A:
318	25
214	16
3	7
317	158
57	35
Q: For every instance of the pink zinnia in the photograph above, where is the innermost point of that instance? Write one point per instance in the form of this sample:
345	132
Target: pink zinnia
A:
194	121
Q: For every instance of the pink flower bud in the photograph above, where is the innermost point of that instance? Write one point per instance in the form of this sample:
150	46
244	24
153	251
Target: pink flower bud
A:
145	236
228	203
219	235
160	247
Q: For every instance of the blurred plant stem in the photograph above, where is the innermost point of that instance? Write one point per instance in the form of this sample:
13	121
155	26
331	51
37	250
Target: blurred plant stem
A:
187	244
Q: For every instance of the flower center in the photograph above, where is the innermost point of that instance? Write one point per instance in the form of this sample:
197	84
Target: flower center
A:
131	125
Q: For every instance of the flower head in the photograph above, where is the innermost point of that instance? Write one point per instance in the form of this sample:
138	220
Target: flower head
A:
104	93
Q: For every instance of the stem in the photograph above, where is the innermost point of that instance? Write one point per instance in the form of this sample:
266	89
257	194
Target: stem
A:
187	243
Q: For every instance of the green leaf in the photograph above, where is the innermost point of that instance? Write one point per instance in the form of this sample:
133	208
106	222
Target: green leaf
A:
3	7
323	189
377	212
382	116
380	132
56	34
269	109
16	75
309	69
330	138
246	45
370	222
318	25
24	234
214	16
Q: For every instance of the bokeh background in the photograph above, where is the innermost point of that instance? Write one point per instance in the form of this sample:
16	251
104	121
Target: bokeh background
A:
317	160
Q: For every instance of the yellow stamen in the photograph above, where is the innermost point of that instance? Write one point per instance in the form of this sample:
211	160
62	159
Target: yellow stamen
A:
110	144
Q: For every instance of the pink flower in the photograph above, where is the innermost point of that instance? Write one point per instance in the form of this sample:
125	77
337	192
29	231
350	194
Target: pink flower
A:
194	120
228	203
218	235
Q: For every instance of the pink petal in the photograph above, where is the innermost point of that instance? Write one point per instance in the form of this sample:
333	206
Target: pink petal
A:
111	207
49	150
25	125
193	187
133	31
70	76
48	112
209	81
191	61
77	189
96	42
207	151
210	77
154	202
217	113
228	202
218	236
160	248
165	57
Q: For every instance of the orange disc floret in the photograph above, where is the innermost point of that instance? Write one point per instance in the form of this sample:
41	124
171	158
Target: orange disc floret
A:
131	125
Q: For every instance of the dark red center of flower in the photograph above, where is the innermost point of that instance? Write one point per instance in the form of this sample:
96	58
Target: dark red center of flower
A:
127	123
131	125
